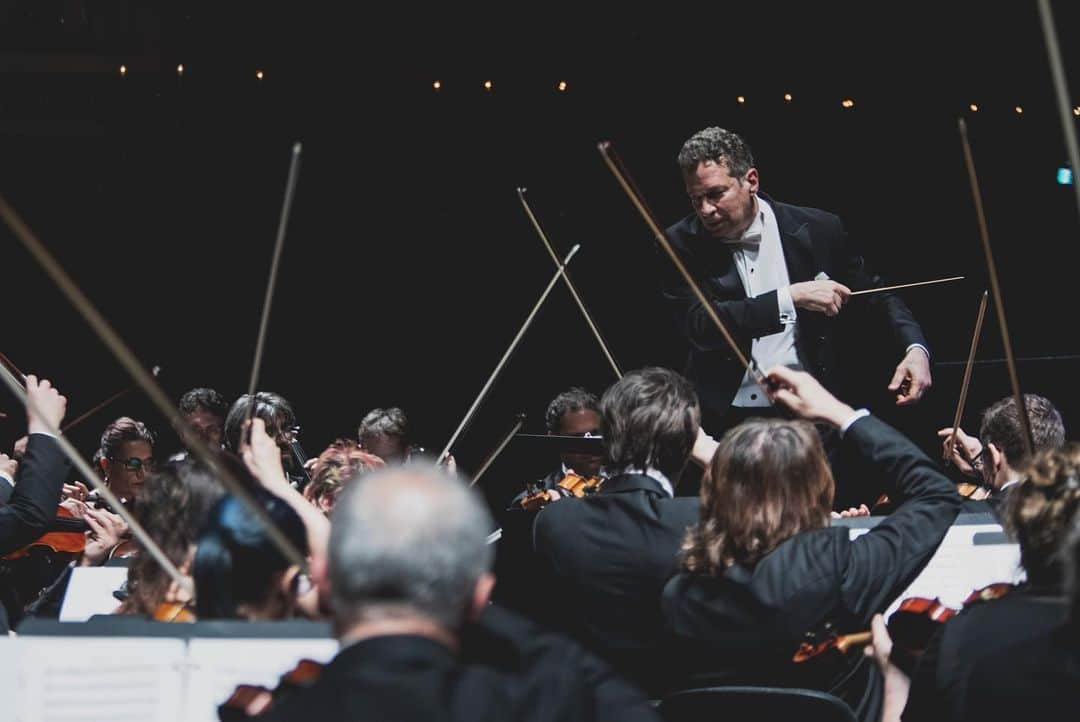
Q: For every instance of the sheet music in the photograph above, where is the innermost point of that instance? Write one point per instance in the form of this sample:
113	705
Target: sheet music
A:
90	591
219	665
959	566
63	679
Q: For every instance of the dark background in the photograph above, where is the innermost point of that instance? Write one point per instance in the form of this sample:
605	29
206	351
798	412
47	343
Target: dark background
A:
409	264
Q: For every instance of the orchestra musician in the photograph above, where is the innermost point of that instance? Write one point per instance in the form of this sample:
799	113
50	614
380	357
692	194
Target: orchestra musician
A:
762	567
1039	513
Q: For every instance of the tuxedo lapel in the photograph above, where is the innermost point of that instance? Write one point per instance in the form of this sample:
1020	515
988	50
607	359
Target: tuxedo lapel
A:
798	246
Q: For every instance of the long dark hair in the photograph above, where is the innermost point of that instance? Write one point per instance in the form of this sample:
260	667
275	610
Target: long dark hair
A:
770	480
235	562
172	507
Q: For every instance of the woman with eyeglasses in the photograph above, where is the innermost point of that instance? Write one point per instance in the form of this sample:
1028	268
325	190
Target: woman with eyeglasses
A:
125	457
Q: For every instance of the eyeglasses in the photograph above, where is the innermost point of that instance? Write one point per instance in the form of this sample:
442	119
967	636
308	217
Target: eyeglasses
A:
135	463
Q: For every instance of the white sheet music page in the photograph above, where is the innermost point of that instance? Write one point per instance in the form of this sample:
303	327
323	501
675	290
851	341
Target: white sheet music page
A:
112	679
90	592
959	566
219	665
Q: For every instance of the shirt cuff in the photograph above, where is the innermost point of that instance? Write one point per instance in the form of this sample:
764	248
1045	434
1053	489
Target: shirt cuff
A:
786	305
8	479
852	419
920	347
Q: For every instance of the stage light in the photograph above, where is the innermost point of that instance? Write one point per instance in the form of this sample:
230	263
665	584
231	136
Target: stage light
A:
487	85
740	100
180	69
1064	176
1019	110
123	70
259	75
787	97
847	103
974	108
562	86
1076	110
436	85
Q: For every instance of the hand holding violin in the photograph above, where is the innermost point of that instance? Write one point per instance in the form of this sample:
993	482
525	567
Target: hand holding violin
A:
966	450
106	531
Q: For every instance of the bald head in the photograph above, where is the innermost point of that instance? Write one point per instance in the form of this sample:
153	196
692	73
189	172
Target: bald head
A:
407	541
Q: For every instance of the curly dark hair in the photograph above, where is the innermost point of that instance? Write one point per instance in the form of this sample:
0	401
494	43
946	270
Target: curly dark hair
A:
1039	510
573	399
172	506
719	146
205	399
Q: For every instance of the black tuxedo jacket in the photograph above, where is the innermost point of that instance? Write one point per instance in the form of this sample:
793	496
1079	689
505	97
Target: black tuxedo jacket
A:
507	669
743	626
607	557
38	484
982	630
814	242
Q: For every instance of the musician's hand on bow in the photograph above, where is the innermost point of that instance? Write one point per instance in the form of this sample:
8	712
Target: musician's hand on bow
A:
76	491
826	297
965	455
47	401
911	378
262	456
804	395
106	530
704	449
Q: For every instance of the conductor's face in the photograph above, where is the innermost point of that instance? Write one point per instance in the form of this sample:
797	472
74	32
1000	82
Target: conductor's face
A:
725	205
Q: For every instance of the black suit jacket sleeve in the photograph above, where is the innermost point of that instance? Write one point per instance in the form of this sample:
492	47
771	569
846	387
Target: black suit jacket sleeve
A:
39	482
6	490
883	562
746	318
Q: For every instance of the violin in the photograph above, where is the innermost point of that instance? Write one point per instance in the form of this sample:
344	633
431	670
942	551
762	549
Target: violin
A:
572	484
249	700
911	627
975	492
173	612
67	534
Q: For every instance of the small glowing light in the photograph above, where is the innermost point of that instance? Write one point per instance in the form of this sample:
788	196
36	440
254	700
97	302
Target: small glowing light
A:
1065	176
847	103
562	86
974	108
259	75
180	69
123	70
787	97
436	85
487	85
1076	110
1019	110
740	100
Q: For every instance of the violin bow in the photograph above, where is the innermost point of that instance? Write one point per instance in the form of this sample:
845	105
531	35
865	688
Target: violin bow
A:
156	371
12	369
569	283
995	287
144	379
91	476
271	282
506	356
967	375
1057	70
518	423
628	186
